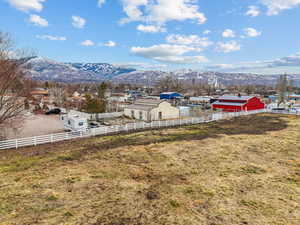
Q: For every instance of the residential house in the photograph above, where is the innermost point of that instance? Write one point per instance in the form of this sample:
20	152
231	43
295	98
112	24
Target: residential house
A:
151	109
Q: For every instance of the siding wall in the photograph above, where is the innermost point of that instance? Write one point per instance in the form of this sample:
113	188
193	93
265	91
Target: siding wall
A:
168	112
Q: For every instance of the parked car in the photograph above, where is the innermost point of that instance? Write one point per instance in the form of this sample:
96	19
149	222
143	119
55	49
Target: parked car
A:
294	110
94	125
278	109
55	111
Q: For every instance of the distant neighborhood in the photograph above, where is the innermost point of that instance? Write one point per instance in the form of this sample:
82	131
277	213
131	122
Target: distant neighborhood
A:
57	107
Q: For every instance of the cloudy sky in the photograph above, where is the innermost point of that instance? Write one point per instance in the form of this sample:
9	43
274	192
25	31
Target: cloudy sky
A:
259	36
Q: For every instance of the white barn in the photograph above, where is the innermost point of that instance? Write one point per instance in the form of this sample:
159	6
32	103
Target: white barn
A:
151	109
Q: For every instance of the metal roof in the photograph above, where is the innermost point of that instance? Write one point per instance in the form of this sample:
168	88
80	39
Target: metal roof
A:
152	102
235	98
230	103
145	104
169	93
141	107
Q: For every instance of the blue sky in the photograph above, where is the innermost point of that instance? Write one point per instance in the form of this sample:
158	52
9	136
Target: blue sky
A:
259	36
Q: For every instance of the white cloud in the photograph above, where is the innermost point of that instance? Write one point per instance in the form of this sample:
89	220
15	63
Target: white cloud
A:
276	6
169	53
228	33
190	40
87	43
110	44
27	5
141	65
183	59
78	22
253	11
251	32
101	3
51	38
289	61
207	32
150	28
38	21
161	11
227	47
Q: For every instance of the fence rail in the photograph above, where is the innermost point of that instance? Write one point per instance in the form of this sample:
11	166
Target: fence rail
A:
52	138
94	116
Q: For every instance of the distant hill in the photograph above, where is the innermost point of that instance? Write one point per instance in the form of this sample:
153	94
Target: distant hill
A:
48	70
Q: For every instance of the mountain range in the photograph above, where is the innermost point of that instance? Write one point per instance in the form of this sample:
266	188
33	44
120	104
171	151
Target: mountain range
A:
49	70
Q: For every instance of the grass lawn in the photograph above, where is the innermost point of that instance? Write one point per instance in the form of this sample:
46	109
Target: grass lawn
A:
240	171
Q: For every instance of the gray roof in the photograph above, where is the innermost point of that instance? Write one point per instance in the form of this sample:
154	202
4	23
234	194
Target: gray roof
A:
140	107
145	104
229	103
235	98
152	102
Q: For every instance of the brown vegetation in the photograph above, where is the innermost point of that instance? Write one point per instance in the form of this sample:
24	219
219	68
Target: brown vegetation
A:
12	85
240	171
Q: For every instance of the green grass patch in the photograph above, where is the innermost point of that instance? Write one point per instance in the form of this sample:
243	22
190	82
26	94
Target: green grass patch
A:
174	203
19	165
52	198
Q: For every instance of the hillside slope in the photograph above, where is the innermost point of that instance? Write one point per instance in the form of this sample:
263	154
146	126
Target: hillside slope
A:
240	171
49	70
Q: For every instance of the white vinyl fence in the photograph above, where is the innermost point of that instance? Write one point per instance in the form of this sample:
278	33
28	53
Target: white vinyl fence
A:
96	116
52	138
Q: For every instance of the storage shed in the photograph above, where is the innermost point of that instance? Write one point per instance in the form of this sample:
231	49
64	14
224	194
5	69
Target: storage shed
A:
170	95
151	109
238	103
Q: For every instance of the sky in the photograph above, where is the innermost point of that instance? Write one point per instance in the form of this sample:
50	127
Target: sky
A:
259	36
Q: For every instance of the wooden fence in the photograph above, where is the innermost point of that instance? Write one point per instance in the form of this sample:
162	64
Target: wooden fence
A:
106	130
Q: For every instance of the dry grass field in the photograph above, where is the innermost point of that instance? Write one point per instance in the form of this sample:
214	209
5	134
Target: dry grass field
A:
240	171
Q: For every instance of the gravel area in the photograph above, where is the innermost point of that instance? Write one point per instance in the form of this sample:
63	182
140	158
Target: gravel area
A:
36	125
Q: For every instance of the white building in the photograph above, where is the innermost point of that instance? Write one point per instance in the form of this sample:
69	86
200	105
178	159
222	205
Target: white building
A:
74	122
119	97
151	109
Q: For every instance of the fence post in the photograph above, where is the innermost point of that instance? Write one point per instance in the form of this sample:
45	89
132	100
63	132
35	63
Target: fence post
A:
16	143
51	138
34	141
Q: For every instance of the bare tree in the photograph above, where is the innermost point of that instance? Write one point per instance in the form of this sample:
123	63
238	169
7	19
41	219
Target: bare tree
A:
170	83
58	94
11	81
282	88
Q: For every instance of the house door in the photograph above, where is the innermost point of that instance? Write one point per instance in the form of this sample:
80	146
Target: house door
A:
160	115
141	115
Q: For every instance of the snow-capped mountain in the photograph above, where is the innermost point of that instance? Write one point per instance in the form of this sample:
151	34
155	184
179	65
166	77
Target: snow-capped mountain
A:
46	69
105	69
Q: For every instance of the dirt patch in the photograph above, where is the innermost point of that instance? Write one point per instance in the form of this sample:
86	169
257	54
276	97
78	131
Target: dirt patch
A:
37	125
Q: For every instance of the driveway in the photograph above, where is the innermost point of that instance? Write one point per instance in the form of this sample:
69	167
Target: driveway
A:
36	125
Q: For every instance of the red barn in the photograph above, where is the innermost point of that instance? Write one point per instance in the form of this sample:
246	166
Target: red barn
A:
238	103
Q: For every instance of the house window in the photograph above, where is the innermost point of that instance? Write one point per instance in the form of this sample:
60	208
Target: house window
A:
80	124
69	122
132	113
141	115
160	115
